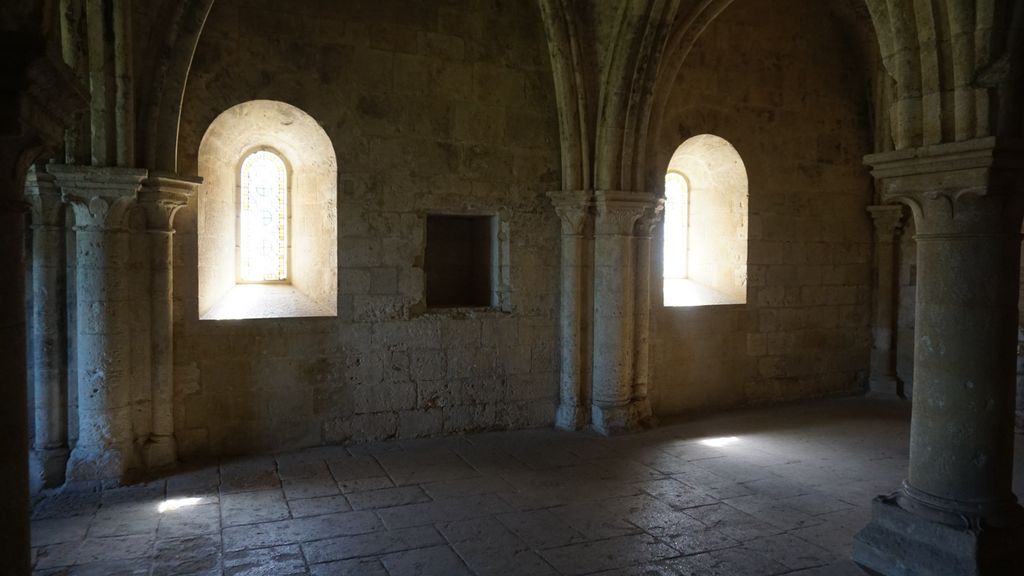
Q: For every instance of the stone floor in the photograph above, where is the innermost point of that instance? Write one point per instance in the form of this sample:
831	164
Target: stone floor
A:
771	491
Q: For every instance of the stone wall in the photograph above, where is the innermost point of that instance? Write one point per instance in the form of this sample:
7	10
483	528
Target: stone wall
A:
432	107
794	102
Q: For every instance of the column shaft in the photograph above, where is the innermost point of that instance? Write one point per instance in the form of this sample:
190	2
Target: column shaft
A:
161	451
961	442
161	198
569	410
48	352
883	379
573	211
48	342
613	320
104	397
642	368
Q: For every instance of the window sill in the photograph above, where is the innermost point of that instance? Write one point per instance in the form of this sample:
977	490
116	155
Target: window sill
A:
684	293
252	301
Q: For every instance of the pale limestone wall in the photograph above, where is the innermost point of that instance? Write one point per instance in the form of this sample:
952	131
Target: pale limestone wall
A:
431	106
794	103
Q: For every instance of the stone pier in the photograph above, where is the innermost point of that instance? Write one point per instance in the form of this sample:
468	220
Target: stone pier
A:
614	409
102	199
888	221
956	512
161	198
48	340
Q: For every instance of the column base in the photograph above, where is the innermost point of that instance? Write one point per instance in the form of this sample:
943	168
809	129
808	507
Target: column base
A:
160	452
570	417
612	420
898	542
884	386
89	463
47	468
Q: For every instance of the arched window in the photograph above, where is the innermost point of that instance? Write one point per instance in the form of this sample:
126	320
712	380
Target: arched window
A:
263	218
267	215
706	205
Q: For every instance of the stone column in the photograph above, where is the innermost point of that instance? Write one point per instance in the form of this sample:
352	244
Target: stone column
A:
644	231
888	221
161	198
956	512
102	199
47	344
573	210
613	408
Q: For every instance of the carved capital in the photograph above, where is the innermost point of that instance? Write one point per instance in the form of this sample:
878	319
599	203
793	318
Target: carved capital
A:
618	212
650	218
102	198
44	198
971	187
573	209
888	220
162	196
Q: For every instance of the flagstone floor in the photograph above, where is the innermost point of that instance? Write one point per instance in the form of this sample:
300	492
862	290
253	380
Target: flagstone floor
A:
778	490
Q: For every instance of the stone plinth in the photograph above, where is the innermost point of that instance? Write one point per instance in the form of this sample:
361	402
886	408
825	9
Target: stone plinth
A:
957	508
102	199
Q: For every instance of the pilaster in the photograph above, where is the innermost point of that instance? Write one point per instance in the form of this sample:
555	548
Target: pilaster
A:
888	223
102	199
956	512
161	198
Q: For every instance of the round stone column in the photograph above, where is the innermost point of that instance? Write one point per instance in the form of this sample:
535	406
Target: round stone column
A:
956	512
888	221
48	342
613	409
102	199
573	211
161	198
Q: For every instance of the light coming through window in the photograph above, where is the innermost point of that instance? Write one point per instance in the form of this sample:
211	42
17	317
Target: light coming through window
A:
263	219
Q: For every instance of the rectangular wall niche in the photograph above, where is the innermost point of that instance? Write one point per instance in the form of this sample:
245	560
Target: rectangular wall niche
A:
461	263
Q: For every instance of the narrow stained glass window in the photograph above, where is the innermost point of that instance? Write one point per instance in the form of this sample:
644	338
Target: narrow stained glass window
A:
263	218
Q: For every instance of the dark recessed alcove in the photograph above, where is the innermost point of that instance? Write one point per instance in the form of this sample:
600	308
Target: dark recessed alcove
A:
459	261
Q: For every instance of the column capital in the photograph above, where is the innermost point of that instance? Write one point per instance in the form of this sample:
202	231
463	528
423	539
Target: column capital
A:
618	212
969	187
163	195
573	208
888	220
44	198
650	218
102	198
